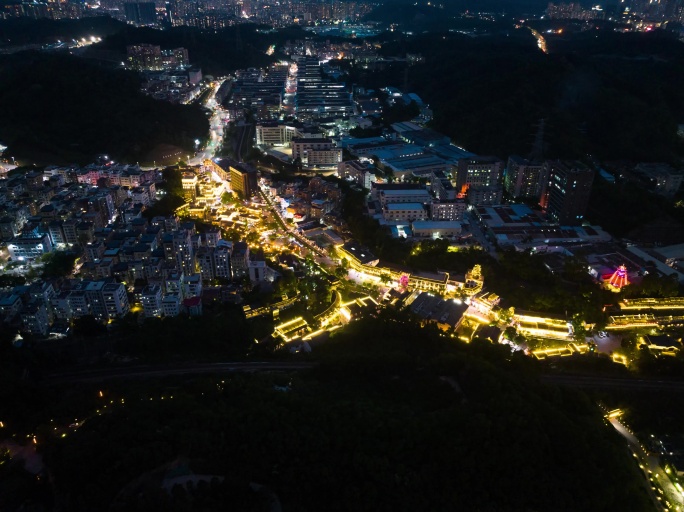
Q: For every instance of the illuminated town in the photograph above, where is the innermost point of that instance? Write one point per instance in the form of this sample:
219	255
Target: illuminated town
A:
279	224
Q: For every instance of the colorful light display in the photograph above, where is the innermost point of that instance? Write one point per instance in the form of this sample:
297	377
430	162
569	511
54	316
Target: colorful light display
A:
619	277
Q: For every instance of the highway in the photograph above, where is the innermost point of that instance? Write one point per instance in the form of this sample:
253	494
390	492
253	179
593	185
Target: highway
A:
156	371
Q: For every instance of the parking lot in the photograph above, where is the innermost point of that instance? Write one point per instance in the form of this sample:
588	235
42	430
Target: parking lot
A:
607	343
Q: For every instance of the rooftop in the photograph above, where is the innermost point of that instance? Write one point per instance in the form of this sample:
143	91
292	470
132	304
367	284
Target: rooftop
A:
507	215
405	192
404	206
311	140
436	224
363	254
415	162
432	307
671	251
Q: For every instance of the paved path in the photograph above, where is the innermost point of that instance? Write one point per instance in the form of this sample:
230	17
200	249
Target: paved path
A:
215	132
291	231
663	493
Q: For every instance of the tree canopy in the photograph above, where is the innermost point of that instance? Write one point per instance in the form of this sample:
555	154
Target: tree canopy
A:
603	93
395	417
61	109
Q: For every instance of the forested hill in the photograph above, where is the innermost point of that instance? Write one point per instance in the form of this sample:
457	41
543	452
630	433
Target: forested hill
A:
61	109
616	96
218	53
412	15
396	418
19	31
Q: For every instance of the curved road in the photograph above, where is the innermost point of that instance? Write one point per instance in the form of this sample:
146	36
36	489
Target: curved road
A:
649	465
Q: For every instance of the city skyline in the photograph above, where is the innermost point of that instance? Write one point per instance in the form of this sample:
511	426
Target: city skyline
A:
341	255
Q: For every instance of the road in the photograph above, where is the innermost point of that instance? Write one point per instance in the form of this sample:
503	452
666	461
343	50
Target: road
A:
215	128
332	309
146	372
663	493
301	239
480	236
243	140
582	381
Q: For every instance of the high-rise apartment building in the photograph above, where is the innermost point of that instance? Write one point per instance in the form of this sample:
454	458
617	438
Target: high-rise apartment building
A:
441	186
145	56
115	300
178	251
524	178
35	319
448	210
318	96
140	13
318	152
205	262
189	182
239	260
243	179
483	171
273	133
103	299
192	285
360	172
151	298
214	262
567	192
222	255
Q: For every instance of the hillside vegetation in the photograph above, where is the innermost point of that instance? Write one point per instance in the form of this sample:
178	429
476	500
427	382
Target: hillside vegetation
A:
60	109
395	418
